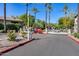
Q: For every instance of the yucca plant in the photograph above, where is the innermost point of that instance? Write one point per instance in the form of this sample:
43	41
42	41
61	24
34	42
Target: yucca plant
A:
22	33
11	35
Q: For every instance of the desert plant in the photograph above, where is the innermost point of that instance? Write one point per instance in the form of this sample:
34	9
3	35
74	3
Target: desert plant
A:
22	33
11	35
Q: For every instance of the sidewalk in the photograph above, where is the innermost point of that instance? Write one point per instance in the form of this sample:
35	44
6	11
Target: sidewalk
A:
56	32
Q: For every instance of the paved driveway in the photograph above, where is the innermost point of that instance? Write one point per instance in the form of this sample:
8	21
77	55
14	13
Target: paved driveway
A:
47	45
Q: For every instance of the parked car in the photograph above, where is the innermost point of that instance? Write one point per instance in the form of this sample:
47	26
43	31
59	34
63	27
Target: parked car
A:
38	30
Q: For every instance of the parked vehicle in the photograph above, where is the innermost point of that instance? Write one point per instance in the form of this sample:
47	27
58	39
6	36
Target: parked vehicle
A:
38	30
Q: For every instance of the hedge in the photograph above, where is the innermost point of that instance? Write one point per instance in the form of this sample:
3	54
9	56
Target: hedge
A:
1	26
10	27
76	35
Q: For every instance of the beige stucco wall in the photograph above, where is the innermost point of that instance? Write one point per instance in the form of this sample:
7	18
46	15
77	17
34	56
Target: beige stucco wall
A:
76	25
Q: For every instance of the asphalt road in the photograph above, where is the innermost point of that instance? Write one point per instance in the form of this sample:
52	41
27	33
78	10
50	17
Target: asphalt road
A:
47	45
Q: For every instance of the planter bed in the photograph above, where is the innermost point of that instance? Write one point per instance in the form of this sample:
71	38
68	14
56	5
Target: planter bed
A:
74	38
13	45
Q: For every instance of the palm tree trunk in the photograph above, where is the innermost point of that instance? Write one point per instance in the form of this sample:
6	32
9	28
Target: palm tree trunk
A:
46	18
78	17
35	18
4	17
66	20
49	18
26	15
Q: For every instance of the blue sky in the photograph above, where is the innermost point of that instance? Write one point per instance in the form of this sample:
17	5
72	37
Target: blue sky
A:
16	9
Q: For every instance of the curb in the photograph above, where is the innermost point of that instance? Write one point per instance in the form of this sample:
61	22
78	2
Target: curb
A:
74	39
40	33
7	49
45	33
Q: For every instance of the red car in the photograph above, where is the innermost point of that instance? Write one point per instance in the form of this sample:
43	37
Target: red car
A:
37	30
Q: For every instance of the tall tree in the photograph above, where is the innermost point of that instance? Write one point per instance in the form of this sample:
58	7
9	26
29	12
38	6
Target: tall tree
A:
49	7
26	12
4	17
35	11
23	18
78	17
65	10
69	22
46	15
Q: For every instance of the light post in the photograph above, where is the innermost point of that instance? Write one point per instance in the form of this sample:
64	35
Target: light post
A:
29	34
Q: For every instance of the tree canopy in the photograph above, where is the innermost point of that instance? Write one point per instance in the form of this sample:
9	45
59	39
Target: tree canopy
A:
66	22
25	20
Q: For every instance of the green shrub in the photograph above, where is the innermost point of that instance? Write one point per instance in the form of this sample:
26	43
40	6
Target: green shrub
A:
13	27
76	35
11	35
10	27
1	26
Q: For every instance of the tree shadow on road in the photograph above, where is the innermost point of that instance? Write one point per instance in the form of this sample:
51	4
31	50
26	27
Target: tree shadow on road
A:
36	38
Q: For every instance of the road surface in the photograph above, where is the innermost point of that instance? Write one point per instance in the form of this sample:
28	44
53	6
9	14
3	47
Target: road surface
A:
47	45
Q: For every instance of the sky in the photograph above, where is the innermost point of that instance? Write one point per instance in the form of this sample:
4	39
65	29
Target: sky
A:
17	9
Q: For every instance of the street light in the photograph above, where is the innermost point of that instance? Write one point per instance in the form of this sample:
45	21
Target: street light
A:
29	35
28	27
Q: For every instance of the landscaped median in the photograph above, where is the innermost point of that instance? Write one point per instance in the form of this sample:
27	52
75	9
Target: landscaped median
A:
74	37
13	40
14	45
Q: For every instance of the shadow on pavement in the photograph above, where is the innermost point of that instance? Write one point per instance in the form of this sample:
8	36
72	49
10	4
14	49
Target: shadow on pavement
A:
36	38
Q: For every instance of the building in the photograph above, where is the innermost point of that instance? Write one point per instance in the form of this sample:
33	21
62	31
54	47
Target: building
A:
10	20
76	24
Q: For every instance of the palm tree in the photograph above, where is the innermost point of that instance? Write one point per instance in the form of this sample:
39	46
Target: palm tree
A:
4	17
27	18
26	8
46	16
35	11
65	10
49	10
78	17
27	13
